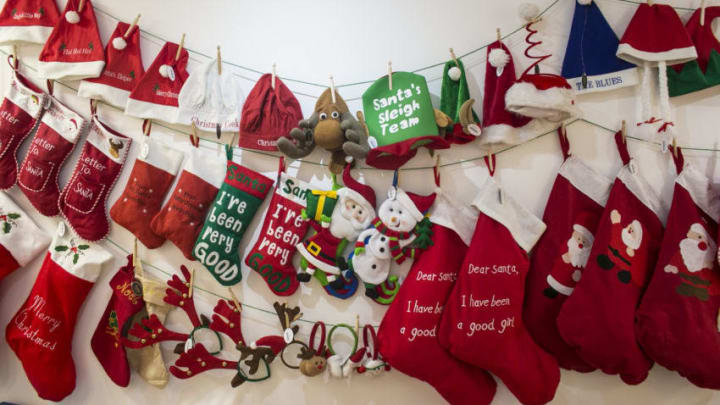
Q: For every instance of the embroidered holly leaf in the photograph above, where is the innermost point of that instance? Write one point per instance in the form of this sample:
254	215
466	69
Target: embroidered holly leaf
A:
83	247
113	321
132	74
6	227
62	46
13	215
61	248
42	11
90	45
75	258
13	11
156	87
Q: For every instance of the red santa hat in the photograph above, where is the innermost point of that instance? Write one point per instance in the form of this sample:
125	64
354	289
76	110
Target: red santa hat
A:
417	205
268	114
123	68
74	49
27	21
500	126
358	191
156	94
275	343
586	224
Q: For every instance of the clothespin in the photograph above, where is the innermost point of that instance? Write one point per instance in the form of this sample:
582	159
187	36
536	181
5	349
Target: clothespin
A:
454	58
194	138
390	74
702	13
192	280
674	145
357	324
563	130
80	7
235	300
15	55
499	35
147	126
180	47
332	89
219	61
624	132
491	166
130	28
650	3
272	83
232	140
135	253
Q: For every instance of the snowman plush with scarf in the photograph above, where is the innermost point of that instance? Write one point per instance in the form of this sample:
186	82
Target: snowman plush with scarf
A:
400	228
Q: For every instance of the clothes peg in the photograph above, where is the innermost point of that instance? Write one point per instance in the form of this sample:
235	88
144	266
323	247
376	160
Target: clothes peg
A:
357	323
491	166
192	281
454	58
135	253
674	145
499	35
219	61
194	138
147	126
232	140
274	74
624	132
130	28
390	74
702	13
182	44
80	7
332	89
650	3
235	300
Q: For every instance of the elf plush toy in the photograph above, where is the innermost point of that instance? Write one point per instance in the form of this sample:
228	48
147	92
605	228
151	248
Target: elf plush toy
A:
401	222
351	214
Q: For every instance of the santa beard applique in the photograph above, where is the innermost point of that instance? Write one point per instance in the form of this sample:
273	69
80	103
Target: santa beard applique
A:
693	264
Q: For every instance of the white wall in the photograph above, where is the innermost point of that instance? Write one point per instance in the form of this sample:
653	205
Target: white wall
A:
353	41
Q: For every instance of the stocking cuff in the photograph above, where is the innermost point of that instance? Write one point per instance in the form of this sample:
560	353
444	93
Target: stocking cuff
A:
78	257
160	155
586	180
19	234
700	190
637	185
449	213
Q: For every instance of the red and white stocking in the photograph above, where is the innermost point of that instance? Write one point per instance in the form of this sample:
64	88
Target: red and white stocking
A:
20	239
41	332
56	137
598	319
677	321
19	112
183	215
408	333
150	179
482	321
572	213
83	200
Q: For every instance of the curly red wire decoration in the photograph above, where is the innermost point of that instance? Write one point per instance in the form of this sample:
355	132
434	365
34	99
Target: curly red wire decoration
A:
532	44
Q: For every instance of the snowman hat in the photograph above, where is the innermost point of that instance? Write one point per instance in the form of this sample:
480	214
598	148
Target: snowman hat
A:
590	63
123	69
74	49
356	190
211	99
27	21
156	94
417	205
585	224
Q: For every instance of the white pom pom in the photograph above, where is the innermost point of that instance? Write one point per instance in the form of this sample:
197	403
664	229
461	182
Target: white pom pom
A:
119	43
253	345
167	71
349	159
498	58
529	11
454	73
584	2
72	17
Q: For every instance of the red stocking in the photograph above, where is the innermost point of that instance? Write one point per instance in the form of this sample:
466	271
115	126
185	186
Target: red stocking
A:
41	332
184	213
150	179
676	323
84	198
571	214
126	301
20	239
19	112
54	140
598	319
407	334
482	323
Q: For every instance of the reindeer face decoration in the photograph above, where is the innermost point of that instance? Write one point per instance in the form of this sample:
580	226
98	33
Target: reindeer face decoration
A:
333	128
114	147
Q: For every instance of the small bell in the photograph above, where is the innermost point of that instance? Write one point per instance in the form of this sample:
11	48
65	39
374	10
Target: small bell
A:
584	81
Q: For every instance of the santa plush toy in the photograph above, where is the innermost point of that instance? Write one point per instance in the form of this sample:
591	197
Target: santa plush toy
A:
568	268
623	250
693	262
352	213
401	219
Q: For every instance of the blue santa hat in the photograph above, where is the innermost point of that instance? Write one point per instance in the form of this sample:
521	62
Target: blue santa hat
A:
590	63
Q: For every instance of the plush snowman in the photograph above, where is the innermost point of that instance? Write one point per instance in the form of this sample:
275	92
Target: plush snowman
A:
389	238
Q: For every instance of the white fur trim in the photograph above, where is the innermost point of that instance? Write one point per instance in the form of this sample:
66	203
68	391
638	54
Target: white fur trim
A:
160	155
406	202
671	57
70	70
618	80
586	180
145	109
112	95
554	104
449	213
206	166
525	227
25	240
315	262
641	189
60	117
89	264
35	34
701	190
503	135
558	287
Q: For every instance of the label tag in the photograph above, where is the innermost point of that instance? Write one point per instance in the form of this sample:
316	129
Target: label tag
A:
145	151
61	228
288	336
474	129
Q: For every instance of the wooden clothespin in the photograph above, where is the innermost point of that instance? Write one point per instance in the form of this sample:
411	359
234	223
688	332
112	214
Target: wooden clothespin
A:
332	89
390	74
192	281
499	35
674	145
624	132
80	7
235	300
130	28
491	166
219	61
135	253
180	47
702	13
194	138
232	140
274	74
454	58
357	323
650	3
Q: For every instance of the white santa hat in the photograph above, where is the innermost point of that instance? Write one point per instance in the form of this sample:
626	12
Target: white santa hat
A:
74	50
211	99
27	21
20	239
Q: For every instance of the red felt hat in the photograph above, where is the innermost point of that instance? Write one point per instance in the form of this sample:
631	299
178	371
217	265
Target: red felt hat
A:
275	343
123	68
156	94
74	49
27	21
357	190
268	114
417	204
542	95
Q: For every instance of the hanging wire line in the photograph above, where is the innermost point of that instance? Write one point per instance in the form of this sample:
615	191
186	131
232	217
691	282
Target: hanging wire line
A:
642	2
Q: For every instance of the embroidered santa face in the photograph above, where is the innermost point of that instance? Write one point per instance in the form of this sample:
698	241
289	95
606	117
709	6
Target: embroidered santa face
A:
697	249
579	246
631	235
396	217
350	217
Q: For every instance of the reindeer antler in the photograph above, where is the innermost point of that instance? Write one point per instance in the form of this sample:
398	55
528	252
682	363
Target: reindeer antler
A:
150	331
287	316
226	320
198	360
178	295
254	355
